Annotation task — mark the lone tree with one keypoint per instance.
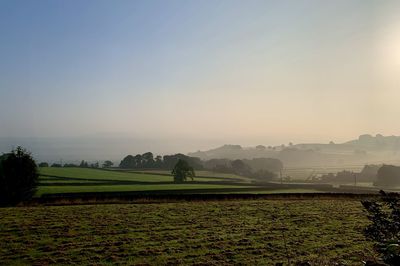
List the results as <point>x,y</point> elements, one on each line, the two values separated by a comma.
<point>182,171</point>
<point>18,177</point>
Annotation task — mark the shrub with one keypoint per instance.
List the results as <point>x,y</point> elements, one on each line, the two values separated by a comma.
<point>384,229</point>
<point>18,177</point>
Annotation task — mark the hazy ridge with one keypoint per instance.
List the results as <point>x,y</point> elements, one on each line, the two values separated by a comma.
<point>364,149</point>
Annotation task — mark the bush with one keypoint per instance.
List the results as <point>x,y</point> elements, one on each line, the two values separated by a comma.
<point>385,227</point>
<point>18,177</point>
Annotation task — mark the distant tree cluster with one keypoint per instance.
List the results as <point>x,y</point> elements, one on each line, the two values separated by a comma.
<point>264,169</point>
<point>107,164</point>
<point>43,164</point>
<point>259,168</point>
<point>269,164</point>
<point>83,164</point>
<point>368,174</point>
<point>148,161</point>
<point>70,165</point>
<point>340,177</point>
<point>388,175</point>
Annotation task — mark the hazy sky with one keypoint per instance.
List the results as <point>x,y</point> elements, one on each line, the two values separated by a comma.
<point>245,72</point>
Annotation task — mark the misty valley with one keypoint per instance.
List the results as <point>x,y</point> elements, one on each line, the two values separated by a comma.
<point>201,132</point>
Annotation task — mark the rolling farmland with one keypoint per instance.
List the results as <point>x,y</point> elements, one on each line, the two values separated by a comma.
<point>85,180</point>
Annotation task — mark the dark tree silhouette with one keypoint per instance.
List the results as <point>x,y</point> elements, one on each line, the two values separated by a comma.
<point>182,171</point>
<point>388,175</point>
<point>169,161</point>
<point>147,160</point>
<point>18,177</point>
<point>107,164</point>
<point>128,162</point>
<point>138,160</point>
<point>158,163</point>
<point>94,165</point>
<point>84,164</point>
<point>43,164</point>
<point>240,168</point>
<point>70,165</point>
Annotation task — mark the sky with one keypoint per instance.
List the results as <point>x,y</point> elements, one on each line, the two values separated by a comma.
<point>243,72</point>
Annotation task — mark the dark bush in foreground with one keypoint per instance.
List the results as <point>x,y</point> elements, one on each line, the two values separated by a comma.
<point>385,227</point>
<point>18,177</point>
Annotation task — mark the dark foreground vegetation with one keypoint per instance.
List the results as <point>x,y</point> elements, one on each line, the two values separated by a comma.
<point>251,232</point>
<point>384,229</point>
<point>18,177</point>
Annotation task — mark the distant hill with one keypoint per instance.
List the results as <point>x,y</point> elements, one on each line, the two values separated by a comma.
<point>365,149</point>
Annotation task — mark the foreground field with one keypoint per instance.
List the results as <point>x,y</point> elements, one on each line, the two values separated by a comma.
<point>210,233</point>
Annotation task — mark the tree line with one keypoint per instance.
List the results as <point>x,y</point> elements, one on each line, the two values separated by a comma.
<point>167,162</point>
<point>83,164</point>
<point>258,168</point>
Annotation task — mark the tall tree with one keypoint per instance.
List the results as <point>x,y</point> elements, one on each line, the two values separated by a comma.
<point>148,160</point>
<point>128,162</point>
<point>138,161</point>
<point>158,162</point>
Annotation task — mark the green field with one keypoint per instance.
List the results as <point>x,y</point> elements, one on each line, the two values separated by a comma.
<point>71,180</point>
<point>124,188</point>
<point>82,180</point>
<point>247,232</point>
<point>205,175</point>
<point>88,174</point>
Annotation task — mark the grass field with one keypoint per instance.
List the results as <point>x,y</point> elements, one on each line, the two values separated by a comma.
<point>72,180</point>
<point>124,188</point>
<point>205,174</point>
<point>88,174</point>
<point>86,180</point>
<point>247,232</point>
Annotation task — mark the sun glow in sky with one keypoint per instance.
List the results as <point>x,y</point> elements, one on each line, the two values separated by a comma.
<point>244,72</point>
